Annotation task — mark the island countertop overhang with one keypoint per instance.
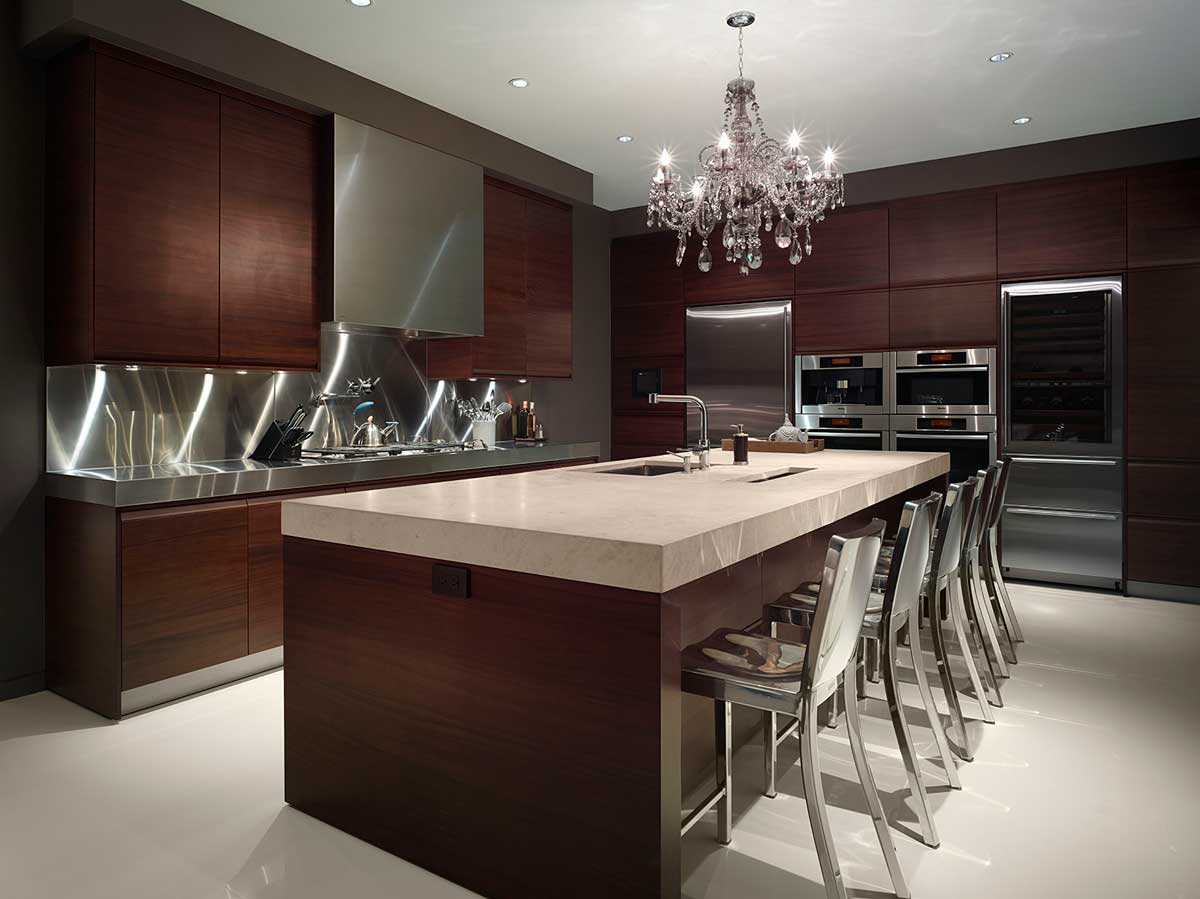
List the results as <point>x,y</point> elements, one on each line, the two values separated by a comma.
<point>583,523</point>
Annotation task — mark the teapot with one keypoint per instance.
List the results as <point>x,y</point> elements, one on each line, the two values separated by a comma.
<point>369,434</point>
<point>788,433</point>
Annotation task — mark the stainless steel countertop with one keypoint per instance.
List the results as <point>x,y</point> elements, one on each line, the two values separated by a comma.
<point>144,485</point>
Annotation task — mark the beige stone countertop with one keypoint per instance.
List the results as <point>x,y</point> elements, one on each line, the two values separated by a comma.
<point>641,533</point>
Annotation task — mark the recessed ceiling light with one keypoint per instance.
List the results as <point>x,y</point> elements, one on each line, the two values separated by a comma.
<point>625,138</point>
<point>360,3</point>
<point>1022,120</point>
<point>1002,56</point>
<point>518,82</point>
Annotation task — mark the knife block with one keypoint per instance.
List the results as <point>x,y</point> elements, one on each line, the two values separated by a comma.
<point>272,449</point>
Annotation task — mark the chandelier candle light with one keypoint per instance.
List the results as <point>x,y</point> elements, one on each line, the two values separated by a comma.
<point>747,180</point>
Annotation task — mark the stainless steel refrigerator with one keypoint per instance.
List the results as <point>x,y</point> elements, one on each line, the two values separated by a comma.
<point>1064,431</point>
<point>739,361</point>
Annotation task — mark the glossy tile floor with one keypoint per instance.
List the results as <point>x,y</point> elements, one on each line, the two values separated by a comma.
<point>1087,785</point>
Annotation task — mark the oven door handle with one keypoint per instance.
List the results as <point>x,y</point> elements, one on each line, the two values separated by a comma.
<point>844,434</point>
<point>907,436</point>
<point>924,369</point>
<point>1054,513</point>
<point>1041,460</point>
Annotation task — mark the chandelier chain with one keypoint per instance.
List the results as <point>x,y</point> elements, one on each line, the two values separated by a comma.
<point>740,51</point>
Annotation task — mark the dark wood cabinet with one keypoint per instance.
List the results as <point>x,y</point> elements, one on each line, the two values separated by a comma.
<point>955,315</point>
<point>671,372</point>
<point>643,270</point>
<point>1162,377</point>
<point>947,237</point>
<point>653,434</point>
<point>724,283</point>
<point>183,590</point>
<point>269,184</point>
<point>157,217</point>
<point>1163,489</point>
<point>1164,215</point>
<point>549,290</point>
<point>527,292</point>
<point>180,221</point>
<point>841,321</point>
<point>1061,227</point>
<point>648,331</point>
<point>850,252</point>
<point>1162,552</point>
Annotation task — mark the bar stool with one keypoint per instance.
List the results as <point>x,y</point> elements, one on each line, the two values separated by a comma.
<point>734,667</point>
<point>992,574</point>
<point>983,604</point>
<point>894,602</point>
<point>979,623</point>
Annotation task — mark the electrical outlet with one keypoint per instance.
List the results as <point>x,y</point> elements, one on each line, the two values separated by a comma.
<point>450,580</point>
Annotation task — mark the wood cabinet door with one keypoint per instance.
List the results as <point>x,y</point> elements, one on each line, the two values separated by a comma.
<point>502,350</point>
<point>850,252</point>
<point>183,589</point>
<point>1162,377</point>
<point>656,433</point>
<point>1061,227</point>
<point>947,237</point>
<point>724,283</point>
<point>269,183</point>
<point>157,217</point>
<point>1162,552</point>
<point>643,270</point>
<point>648,331</point>
<point>953,315</point>
<point>1164,215</point>
<point>548,290</point>
<point>1163,489</point>
<point>671,372</point>
<point>841,321</point>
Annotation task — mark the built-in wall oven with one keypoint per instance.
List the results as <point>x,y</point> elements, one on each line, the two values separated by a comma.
<point>840,384</point>
<point>945,382</point>
<point>969,439</point>
<point>855,432</point>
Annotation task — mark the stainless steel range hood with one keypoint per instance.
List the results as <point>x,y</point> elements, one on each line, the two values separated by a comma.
<point>407,239</point>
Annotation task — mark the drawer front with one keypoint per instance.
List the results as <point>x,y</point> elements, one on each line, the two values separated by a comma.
<point>1164,552</point>
<point>1164,489</point>
<point>1082,485</point>
<point>1074,544</point>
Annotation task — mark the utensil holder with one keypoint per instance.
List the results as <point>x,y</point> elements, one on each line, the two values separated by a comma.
<point>484,431</point>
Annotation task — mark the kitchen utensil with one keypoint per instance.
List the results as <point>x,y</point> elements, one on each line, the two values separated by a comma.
<point>367,434</point>
<point>484,430</point>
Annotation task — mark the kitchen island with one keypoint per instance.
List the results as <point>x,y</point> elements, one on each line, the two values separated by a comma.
<point>483,676</point>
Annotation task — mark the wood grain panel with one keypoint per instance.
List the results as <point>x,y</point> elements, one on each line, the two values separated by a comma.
<point>1162,377</point>
<point>639,331</point>
<point>70,171</point>
<point>957,315</point>
<point>1164,215</point>
<point>947,237</point>
<point>850,252</point>
<point>397,699</point>
<point>157,219</point>
<point>183,589</point>
<point>725,284</point>
<point>1162,552</point>
<point>269,186</point>
<point>649,430</point>
<point>549,290</point>
<point>643,270</point>
<point>623,398</point>
<point>502,348</point>
<point>1063,226</point>
<point>83,612</point>
<point>1163,489</point>
<point>841,321</point>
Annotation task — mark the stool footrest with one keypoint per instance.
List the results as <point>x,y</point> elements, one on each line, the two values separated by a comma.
<point>699,811</point>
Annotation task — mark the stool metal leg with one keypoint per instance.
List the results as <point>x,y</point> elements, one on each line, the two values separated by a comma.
<point>966,645</point>
<point>983,612</point>
<point>981,652</point>
<point>912,765</point>
<point>942,655</point>
<point>814,797</point>
<point>991,596</point>
<point>724,743</point>
<point>1014,626</point>
<point>931,712</point>
<point>854,733</point>
<point>770,753</point>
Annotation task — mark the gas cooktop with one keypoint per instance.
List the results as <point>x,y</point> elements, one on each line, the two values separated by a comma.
<point>391,449</point>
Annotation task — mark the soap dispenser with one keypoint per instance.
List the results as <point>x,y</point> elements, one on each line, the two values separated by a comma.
<point>741,445</point>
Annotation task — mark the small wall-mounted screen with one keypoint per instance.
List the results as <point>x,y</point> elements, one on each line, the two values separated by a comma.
<point>647,381</point>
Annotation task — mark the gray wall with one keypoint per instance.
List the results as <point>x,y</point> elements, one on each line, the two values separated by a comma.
<point>21,411</point>
<point>1052,159</point>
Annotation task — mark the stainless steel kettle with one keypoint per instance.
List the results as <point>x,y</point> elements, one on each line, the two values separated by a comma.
<point>370,434</point>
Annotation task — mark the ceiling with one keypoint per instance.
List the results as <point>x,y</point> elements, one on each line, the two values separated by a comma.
<point>884,82</point>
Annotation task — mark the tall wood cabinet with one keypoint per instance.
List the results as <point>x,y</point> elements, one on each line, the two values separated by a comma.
<point>527,292</point>
<point>181,219</point>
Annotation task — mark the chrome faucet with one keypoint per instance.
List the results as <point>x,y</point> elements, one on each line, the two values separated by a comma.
<point>702,448</point>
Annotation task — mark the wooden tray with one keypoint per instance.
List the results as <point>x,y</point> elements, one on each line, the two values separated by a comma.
<point>814,445</point>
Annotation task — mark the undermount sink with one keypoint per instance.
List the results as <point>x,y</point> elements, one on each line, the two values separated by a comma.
<point>774,475</point>
<point>645,469</point>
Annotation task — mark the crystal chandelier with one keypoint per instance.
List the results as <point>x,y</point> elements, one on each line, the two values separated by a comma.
<point>747,180</point>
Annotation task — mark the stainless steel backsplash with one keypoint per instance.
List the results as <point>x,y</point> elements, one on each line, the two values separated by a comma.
<point>113,415</point>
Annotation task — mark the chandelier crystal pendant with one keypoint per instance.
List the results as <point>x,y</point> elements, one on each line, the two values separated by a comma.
<point>748,184</point>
